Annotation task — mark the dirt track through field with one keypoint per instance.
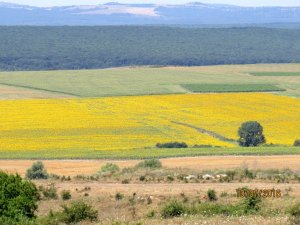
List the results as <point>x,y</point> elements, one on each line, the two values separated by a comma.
<point>9,92</point>
<point>75,167</point>
<point>208,132</point>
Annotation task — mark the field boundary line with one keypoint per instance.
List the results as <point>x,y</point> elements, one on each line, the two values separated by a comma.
<point>39,89</point>
<point>210,133</point>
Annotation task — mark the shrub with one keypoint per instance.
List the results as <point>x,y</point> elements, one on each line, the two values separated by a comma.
<point>251,134</point>
<point>78,211</point>
<point>109,168</point>
<point>125,181</point>
<point>18,198</point>
<point>224,194</point>
<point>150,163</point>
<point>64,178</point>
<point>119,196</point>
<point>172,145</point>
<point>151,214</point>
<point>37,171</point>
<point>54,176</point>
<point>249,174</point>
<point>230,175</point>
<point>294,213</point>
<point>66,195</point>
<point>251,204</point>
<point>173,209</point>
<point>18,220</point>
<point>53,218</point>
<point>149,200</point>
<point>212,195</point>
<point>297,143</point>
<point>49,192</point>
<point>211,209</point>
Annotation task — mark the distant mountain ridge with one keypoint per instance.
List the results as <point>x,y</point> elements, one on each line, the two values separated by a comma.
<point>113,13</point>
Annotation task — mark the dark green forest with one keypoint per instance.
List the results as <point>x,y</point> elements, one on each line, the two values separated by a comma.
<point>49,48</point>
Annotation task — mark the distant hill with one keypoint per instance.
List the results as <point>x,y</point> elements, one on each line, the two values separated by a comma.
<point>137,14</point>
<point>72,47</point>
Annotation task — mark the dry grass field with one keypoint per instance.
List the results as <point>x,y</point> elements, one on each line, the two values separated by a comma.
<point>101,194</point>
<point>102,197</point>
<point>86,167</point>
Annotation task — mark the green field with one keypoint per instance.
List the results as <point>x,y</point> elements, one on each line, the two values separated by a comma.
<point>205,88</point>
<point>271,74</point>
<point>146,153</point>
<point>150,80</point>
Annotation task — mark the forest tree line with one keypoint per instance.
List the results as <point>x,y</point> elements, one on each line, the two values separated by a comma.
<point>67,47</point>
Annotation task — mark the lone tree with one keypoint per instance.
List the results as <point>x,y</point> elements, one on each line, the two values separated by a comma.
<point>251,134</point>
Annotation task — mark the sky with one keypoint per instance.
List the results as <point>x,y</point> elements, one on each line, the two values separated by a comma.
<point>46,3</point>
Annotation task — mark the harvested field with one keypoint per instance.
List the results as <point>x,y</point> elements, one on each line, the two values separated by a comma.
<point>87,167</point>
<point>11,92</point>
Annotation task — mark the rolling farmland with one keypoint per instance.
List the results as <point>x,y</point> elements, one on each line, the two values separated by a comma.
<point>45,112</point>
<point>148,81</point>
<point>79,122</point>
<point>124,123</point>
<point>159,141</point>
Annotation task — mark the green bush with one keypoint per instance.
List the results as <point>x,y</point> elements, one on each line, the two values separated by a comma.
<point>212,195</point>
<point>18,198</point>
<point>109,168</point>
<point>78,211</point>
<point>297,143</point>
<point>66,195</point>
<point>37,171</point>
<point>173,209</point>
<point>250,204</point>
<point>251,134</point>
<point>18,220</point>
<point>150,163</point>
<point>49,192</point>
<point>294,213</point>
<point>212,209</point>
<point>53,218</point>
<point>172,145</point>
